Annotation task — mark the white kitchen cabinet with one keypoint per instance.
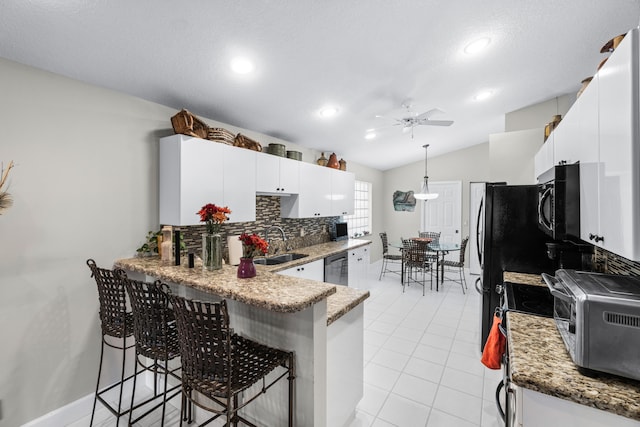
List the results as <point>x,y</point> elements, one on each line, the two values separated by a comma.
<point>544,159</point>
<point>314,197</point>
<point>342,192</point>
<point>536,409</point>
<point>566,145</point>
<point>277,175</point>
<point>359,259</point>
<point>193,173</point>
<point>619,165</point>
<point>311,270</point>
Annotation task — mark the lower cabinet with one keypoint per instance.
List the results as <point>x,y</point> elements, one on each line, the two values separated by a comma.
<point>359,260</point>
<point>536,409</point>
<point>312,270</point>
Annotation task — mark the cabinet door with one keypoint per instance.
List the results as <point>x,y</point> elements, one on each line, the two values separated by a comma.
<point>314,198</point>
<point>358,265</point>
<point>544,158</point>
<point>312,270</point>
<point>267,173</point>
<point>342,192</point>
<point>191,176</point>
<point>239,183</point>
<point>589,136</point>
<point>289,176</point>
<point>618,116</point>
<point>566,145</point>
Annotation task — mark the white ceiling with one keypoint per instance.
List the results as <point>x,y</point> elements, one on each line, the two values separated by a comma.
<point>366,57</point>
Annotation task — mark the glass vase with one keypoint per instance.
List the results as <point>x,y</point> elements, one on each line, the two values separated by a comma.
<point>246,268</point>
<point>212,251</point>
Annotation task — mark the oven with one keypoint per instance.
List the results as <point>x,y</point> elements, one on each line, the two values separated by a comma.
<point>559,202</point>
<point>522,298</point>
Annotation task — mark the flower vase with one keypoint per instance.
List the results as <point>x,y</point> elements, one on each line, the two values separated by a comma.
<point>247,268</point>
<point>212,251</point>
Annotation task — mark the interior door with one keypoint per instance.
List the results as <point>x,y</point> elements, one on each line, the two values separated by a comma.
<point>444,214</point>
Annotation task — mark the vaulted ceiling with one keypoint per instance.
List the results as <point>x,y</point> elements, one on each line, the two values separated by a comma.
<point>365,57</point>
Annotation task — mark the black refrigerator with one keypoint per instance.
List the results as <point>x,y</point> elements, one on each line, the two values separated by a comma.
<point>511,241</point>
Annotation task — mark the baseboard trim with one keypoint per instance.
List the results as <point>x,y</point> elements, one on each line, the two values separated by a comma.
<point>65,415</point>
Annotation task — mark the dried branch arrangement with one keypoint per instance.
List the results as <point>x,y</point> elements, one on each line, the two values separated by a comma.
<point>5,198</point>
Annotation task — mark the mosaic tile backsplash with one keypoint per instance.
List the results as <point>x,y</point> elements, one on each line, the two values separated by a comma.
<point>610,263</point>
<point>315,230</point>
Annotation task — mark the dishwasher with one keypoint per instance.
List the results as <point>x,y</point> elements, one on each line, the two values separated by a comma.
<point>336,269</point>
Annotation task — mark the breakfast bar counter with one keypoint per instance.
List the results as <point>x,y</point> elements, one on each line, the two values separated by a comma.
<point>540,362</point>
<point>321,322</point>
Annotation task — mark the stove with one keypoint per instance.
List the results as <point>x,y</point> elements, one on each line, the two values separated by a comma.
<point>529,299</point>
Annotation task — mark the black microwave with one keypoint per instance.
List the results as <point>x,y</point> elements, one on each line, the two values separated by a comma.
<point>559,202</point>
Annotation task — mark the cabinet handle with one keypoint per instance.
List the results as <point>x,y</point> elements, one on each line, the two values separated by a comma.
<point>596,238</point>
<point>278,189</point>
<point>282,189</point>
<point>599,239</point>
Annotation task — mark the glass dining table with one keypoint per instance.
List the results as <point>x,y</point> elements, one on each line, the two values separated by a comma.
<point>440,248</point>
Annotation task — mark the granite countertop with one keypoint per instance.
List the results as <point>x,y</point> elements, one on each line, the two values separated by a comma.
<point>539,361</point>
<point>267,290</point>
<point>525,278</point>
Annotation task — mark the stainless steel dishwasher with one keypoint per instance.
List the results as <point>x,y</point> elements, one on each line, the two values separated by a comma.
<point>336,269</point>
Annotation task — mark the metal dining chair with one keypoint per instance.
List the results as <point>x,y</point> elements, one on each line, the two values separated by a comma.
<point>388,258</point>
<point>415,259</point>
<point>459,265</point>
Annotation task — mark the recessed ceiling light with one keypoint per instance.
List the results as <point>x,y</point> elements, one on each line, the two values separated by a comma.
<point>370,135</point>
<point>477,45</point>
<point>242,65</point>
<point>481,96</point>
<point>327,112</point>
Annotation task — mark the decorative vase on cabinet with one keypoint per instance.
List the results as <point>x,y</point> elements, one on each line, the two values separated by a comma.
<point>212,251</point>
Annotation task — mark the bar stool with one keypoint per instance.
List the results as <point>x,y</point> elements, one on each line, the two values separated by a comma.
<point>156,339</point>
<point>116,321</point>
<point>220,364</point>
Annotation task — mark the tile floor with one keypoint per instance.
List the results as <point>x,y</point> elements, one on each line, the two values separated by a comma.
<point>422,360</point>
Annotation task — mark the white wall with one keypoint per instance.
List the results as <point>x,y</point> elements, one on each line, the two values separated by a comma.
<point>538,115</point>
<point>469,164</point>
<point>85,185</point>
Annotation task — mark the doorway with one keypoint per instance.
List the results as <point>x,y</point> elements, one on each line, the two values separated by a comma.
<point>444,214</point>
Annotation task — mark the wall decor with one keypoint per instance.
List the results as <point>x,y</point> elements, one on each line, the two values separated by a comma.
<point>5,198</point>
<point>404,201</point>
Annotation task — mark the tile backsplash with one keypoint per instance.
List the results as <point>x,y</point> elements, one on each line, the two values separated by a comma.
<point>610,263</point>
<point>315,230</point>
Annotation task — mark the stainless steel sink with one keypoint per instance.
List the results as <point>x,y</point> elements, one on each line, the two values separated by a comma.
<point>278,259</point>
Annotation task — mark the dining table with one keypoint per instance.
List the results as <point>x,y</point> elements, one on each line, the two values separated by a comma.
<point>440,248</point>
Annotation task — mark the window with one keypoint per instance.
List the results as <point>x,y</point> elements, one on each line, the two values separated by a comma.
<point>360,222</point>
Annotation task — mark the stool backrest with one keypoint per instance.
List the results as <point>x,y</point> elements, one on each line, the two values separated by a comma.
<point>205,340</point>
<point>115,320</point>
<point>385,243</point>
<point>153,319</point>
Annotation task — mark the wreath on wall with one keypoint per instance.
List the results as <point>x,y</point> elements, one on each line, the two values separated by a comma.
<point>5,197</point>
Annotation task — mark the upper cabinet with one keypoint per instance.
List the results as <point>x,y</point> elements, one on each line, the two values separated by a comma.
<point>601,132</point>
<point>277,175</point>
<point>194,172</point>
<point>323,192</point>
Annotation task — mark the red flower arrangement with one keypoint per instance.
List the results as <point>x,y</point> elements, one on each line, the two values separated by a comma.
<point>214,216</point>
<point>253,245</point>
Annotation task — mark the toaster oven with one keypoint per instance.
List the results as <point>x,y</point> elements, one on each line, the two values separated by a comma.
<point>598,317</point>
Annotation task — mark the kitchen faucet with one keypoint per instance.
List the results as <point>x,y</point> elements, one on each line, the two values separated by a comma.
<point>282,233</point>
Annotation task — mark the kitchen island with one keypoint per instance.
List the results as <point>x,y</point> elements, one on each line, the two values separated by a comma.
<point>554,390</point>
<point>309,317</point>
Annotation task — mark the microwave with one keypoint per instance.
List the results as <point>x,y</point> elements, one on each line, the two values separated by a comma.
<point>559,202</point>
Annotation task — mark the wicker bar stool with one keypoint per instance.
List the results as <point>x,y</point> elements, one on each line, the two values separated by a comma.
<point>156,338</point>
<point>220,364</point>
<point>116,321</point>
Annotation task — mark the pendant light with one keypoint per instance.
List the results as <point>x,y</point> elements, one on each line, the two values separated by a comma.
<point>424,193</point>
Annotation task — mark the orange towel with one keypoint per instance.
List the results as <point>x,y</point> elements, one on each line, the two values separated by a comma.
<point>494,347</point>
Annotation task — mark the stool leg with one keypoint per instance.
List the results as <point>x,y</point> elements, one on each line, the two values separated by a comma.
<point>133,392</point>
<point>291,379</point>
<point>95,397</point>
<point>124,363</point>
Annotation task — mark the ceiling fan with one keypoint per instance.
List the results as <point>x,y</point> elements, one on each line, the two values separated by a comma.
<point>411,119</point>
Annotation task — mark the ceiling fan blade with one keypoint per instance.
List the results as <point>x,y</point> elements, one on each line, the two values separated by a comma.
<point>437,122</point>
<point>429,113</point>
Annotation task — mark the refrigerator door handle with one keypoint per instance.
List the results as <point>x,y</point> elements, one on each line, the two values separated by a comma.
<point>479,287</point>
<point>478,234</point>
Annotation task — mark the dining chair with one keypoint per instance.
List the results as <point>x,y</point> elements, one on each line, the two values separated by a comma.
<point>156,343</point>
<point>388,258</point>
<point>415,258</point>
<point>116,322</point>
<point>435,238</point>
<point>221,365</point>
<point>459,265</point>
